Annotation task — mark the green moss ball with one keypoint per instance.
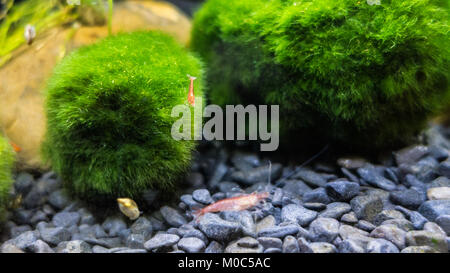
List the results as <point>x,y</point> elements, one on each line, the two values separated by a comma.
<point>6,181</point>
<point>362,73</point>
<point>109,107</point>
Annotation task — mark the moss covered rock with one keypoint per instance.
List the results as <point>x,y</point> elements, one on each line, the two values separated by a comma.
<point>364,74</point>
<point>6,181</point>
<point>109,115</point>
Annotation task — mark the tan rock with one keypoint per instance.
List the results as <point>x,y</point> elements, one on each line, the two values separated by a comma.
<point>440,193</point>
<point>23,78</point>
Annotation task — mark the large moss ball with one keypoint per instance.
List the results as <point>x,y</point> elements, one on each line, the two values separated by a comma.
<point>6,181</point>
<point>365,73</point>
<point>109,107</point>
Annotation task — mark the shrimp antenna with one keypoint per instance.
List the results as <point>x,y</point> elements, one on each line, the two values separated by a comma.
<point>303,164</point>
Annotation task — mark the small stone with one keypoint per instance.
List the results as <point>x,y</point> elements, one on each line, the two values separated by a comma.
<point>135,241</point>
<point>409,198</point>
<point>273,250</point>
<point>444,222</point>
<point>318,195</point>
<point>342,190</point>
<point>350,246</point>
<point>23,217</point>
<point>279,231</point>
<point>315,206</point>
<point>367,207</point>
<point>438,153</point>
<point>191,245</point>
<point>441,181</point>
<point>188,200</point>
<point>132,251</point>
<point>17,230</point>
<point>400,223</point>
<point>434,208</point>
<point>391,233</point>
<point>142,226</point>
<point>418,249</point>
<point>202,196</point>
<point>335,210</point>
<point>219,171</point>
<point>55,235</point>
<point>411,154</point>
<point>172,216</point>
<point>58,199</point>
<point>244,218</point>
<point>218,229</point>
<point>290,245</point>
<point>349,218</point>
<point>25,240</point>
<point>412,181</point>
<point>114,225</point>
<point>416,218</point>
<point>440,193</point>
<point>321,247</point>
<point>24,182</point>
<point>297,214</point>
<point>66,219</point>
<point>161,240</point>
<point>99,249</point>
<point>296,187</point>
<point>10,248</point>
<point>387,215</point>
<point>233,247</point>
<point>304,246</point>
<point>248,242</point>
<point>324,229</point>
<point>351,163</point>
<point>350,176</point>
<point>381,246</point>
<point>434,228</point>
<point>311,178</point>
<point>427,238</point>
<point>40,247</point>
<point>270,242</point>
<point>214,247</point>
<point>346,231</point>
<point>365,225</point>
<point>370,175</point>
<point>259,174</point>
<point>105,242</point>
<point>76,246</point>
<point>227,186</point>
<point>444,168</point>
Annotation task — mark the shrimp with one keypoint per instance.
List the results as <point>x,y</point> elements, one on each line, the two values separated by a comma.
<point>15,147</point>
<point>237,203</point>
<point>191,98</point>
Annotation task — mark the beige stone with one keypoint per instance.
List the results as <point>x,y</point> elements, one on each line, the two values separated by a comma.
<point>440,193</point>
<point>22,79</point>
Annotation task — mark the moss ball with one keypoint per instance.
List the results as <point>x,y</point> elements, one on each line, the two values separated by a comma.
<point>6,181</point>
<point>109,107</point>
<point>362,73</point>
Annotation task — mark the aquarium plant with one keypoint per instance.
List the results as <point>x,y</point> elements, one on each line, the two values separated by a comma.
<point>109,115</point>
<point>363,73</point>
<point>6,181</point>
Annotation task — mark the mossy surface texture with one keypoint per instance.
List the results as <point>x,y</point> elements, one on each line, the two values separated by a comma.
<point>6,181</point>
<point>366,75</point>
<point>109,115</point>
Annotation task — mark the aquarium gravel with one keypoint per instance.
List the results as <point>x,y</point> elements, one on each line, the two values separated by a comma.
<point>398,203</point>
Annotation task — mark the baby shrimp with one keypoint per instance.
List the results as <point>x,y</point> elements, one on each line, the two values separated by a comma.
<point>237,203</point>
